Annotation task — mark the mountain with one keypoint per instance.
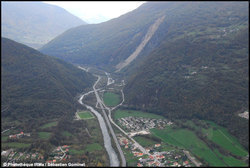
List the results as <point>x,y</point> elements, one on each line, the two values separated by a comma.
<point>35,86</point>
<point>137,33</point>
<point>104,44</point>
<point>35,23</point>
<point>196,77</point>
<point>95,19</point>
<point>179,59</point>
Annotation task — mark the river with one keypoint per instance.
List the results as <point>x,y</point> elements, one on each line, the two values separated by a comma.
<point>114,161</point>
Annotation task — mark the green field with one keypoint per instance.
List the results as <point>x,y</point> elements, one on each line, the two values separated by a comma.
<point>130,158</point>
<point>44,135</point>
<point>230,161</point>
<point>51,124</point>
<point>221,137</point>
<point>76,152</point>
<point>93,147</point>
<point>66,133</point>
<point>15,145</point>
<point>85,115</point>
<point>127,113</point>
<point>111,99</point>
<point>144,141</point>
<point>4,138</point>
<point>188,140</point>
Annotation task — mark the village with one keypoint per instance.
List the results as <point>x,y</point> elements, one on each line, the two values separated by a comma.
<point>135,124</point>
<point>156,156</point>
<point>11,155</point>
<point>20,135</point>
<point>58,154</point>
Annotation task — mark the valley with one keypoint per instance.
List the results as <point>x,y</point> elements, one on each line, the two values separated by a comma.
<point>134,138</point>
<point>164,85</point>
<point>131,141</point>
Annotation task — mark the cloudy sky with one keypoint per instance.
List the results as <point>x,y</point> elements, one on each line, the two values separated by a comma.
<point>97,11</point>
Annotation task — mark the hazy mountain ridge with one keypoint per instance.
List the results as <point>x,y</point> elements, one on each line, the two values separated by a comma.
<point>35,23</point>
<point>104,44</point>
<point>109,43</point>
<point>36,85</point>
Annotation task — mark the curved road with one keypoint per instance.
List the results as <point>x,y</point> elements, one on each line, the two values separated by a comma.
<point>143,150</point>
<point>114,161</point>
<point>99,101</point>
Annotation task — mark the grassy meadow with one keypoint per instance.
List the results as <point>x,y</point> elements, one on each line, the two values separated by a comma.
<point>85,115</point>
<point>51,124</point>
<point>111,99</point>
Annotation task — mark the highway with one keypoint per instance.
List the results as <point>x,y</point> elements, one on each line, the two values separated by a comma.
<point>99,101</point>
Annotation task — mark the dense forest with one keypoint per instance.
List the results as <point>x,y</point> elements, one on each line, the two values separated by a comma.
<point>195,64</point>
<point>35,85</point>
<point>194,67</point>
<point>196,77</point>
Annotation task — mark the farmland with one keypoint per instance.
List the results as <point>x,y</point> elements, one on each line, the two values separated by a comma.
<point>66,133</point>
<point>111,99</point>
<point>44,135</point>
<point>231,161</point>
<point>184,138</point>
<point>51,124</point>
<point>221,137</point>
<point>15,145</point>
<point>93,147</point>
<point>188,140</point>
<point>144,141</point>
<point>76,152</point>
<point>85,115</point>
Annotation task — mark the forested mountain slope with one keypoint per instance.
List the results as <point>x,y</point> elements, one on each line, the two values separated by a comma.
<point>35,23</point>
<point>34,85</point>
<point>196,77</point>
<point>109,44</point>
<point>195,64</point>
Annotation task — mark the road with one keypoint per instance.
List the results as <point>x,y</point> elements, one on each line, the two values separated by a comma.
<point>198,164</point>
<point>143,150</point>
<point>99,101</point>
<point>108,118</point>
<point>114,161</point>
<point>6,130</point>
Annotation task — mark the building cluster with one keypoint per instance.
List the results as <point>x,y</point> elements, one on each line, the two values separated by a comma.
<point>20,135</point>
<point>192,73</point>
<point>15,156</point>
<point>140,123</point>
<point>60,153</point>
<point>164,158</point>
<point>244,115</point>
<point>155,156</point>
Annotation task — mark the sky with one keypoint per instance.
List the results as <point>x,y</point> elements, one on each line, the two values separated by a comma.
<point>97,11</point>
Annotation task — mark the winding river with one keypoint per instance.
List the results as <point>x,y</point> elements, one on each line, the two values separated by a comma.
<point>114,161</point>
